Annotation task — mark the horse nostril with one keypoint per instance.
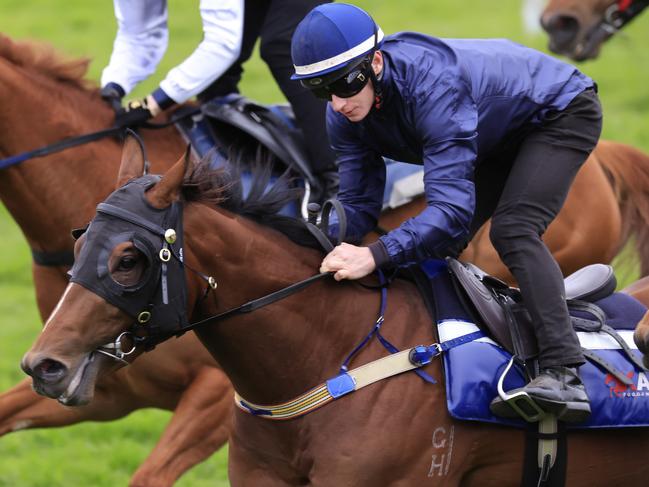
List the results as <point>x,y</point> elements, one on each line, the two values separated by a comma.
<point>48,371</point>
<point>562,28</point>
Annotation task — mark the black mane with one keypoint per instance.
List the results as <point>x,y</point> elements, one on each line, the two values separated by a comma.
<point>223,187</point>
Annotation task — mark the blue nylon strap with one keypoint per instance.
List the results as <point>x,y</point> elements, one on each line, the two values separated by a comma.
<point>376,331</point>
<point>13,160</point>
<point>58,146</point>
<point>447,345</point>
<point>377,323</point>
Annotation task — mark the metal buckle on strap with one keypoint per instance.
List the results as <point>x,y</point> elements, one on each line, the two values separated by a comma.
<point>114,350</point>
<point>520,401</point>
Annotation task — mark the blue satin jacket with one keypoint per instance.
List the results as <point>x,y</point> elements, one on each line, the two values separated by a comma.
<point>446,103</point>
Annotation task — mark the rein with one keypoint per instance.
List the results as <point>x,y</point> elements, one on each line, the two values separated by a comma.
<point>87,138</point>
<point>255,304</point>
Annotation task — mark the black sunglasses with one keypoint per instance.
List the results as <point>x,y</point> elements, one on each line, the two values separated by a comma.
<point>346,86</point>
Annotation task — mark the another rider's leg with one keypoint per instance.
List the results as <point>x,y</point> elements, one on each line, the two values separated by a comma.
<point>254,15</point>
<point>541,175</point>
<point>275,49</point>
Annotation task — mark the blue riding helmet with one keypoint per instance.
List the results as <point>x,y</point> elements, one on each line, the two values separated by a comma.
<point>329,43</point>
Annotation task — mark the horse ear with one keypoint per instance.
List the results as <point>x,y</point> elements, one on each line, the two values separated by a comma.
<point>132,165</point>
<point>167,190</point>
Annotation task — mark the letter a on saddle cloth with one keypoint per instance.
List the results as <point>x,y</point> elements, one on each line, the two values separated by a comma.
<point>617,386</point>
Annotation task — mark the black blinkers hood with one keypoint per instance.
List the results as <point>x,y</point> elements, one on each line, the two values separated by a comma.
<point>158,301</point>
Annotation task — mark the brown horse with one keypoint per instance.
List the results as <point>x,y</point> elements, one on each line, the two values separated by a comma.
<point>50,196</point>
<point>46,100</point>
<point>38,195</point>
<point>578,28</point>
<point>378,436</point>
<point>640,290</point>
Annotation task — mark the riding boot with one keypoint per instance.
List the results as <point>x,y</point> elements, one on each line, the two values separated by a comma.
<point>556,390</point>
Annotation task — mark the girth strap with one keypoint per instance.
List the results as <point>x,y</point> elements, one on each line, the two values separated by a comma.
<point>606,365</point>
<point>599,325</point>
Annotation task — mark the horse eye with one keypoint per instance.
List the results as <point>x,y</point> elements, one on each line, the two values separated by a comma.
<point>127,263</point>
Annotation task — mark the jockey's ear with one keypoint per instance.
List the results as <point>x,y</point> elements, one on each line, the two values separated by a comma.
<point>133,158</point>
<point>168,189</point>
<point>377,62</point>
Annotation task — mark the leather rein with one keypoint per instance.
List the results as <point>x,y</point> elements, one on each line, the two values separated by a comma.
<point>139,332</point>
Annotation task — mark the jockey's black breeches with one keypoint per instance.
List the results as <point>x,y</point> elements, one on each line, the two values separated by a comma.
<point>522,186</point>
<point>273,23</point>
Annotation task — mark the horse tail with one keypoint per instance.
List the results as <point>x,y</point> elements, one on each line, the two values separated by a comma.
<point>628,171</point>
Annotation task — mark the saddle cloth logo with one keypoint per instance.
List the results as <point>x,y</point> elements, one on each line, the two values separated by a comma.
<point>640,387</point>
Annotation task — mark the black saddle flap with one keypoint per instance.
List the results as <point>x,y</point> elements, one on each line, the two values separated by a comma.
<point>482,301</point>
<point>264,126</point>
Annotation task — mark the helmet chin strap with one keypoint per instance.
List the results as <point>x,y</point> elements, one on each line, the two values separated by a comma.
<point>378,90</point>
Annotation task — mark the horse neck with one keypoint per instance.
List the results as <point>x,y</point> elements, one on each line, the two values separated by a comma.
<point>287,347</point>
<point>59,190</point>
<point>49,196</point>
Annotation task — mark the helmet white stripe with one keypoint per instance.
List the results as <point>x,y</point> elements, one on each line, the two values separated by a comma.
<point>341,58</point>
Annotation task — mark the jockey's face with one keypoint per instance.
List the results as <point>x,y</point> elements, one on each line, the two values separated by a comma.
<point>356,107</point>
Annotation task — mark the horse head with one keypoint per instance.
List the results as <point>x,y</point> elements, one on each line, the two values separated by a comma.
<point>130,288</point>
<point>578,28</point>
<point>112,262</point>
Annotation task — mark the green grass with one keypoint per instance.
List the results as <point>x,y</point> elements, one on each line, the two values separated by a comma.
<point>106,454</point>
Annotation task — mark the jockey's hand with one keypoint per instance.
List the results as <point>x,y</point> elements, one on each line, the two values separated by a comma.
<point>112,94</point>
<point>348,262</point>
<point>137,112</point>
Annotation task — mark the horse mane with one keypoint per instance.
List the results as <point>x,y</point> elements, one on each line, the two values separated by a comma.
<point>43,58</point>
<point>223,187</point>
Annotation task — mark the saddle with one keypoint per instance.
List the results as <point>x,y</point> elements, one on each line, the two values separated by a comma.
<point>500,310</point>
<point>234,120</point>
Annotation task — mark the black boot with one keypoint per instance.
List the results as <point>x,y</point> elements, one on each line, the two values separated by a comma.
<point>557,390</point>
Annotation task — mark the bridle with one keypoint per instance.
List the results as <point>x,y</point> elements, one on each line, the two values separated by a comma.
<point>159,306</point>
<point>621,13</point>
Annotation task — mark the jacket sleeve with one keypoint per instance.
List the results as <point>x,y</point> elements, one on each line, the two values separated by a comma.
<point>142,38</point>
<point>220,47</point>
<point>362,177</point>
<point>140,43</point>
<point>445,120</point>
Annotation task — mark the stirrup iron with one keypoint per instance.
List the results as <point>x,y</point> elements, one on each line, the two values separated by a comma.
<point>520,401</point>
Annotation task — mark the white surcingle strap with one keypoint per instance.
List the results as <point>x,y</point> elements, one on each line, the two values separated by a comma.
<point>365,46</point>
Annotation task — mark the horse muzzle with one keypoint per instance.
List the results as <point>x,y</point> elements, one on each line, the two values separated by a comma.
<point>71,386</point>
<point>563,30</point>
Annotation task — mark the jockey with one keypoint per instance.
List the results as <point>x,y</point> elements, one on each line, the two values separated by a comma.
<point>214,68</point>
<point>501,131</point>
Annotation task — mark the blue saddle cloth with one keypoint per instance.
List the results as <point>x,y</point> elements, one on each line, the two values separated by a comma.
<point>472,370</point>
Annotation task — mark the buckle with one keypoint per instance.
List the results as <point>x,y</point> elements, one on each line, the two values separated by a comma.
<point>520,401</point>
